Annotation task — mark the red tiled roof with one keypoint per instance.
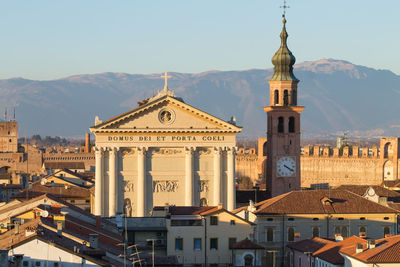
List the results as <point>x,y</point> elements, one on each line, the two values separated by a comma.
<point>58,191</point>
<point>246,244</point>
<point>362,189</point>
<point>310,244</point>
<point>330,252</point>
<point>312,202</point>
<point>193,210</point>
<point>387,250</point>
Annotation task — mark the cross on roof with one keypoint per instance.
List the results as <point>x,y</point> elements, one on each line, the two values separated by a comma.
<point>166,76</point>
<point>285,6</point>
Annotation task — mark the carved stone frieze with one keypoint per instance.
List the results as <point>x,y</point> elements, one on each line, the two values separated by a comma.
<point>165,186</point>
<point>166,151</point>
<point>128,186</point>
<point>204,151</point>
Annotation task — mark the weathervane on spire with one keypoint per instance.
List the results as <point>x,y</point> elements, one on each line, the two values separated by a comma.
<point>166,76</point>
<point>285,6</point>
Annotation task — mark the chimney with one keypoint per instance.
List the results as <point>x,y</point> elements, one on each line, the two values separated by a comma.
<point>87,142</point>
<point>98,222</point>
<point>16,228</point>
<point>371,244</point>
<point>4,257</point>
<point>94,241</point>
<point>359,248</point>
<point>59,228</point>
<point>18,260</point>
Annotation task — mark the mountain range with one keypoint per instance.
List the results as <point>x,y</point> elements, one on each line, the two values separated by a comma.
<point>338,97</point>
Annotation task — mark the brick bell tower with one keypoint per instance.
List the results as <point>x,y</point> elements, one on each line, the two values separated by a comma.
<point>283,123</point>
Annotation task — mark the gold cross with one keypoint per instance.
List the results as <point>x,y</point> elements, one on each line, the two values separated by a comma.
<point>166,76</point>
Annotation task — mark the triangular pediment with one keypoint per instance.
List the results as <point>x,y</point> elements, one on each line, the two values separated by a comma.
<point>166,114</point>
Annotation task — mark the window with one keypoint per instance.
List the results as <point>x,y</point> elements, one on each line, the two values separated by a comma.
<point>276,97</point>
<point>213,220</point>
<point>270,234</point>
<point>386,231</point>
<point>280,125</point>
<point>344,231</point>
<point>363,229</point>
<point>231,241</point>
<point>213,243</point>
<point>25,264</point>
<point>337,230</point>
<point>291,125</point>
<point>290,234</point>
<point>38,263</point>
<point>315,232</point>
<point>233,222</point>
<point>285,98</point>
<point>179,244</point>
<point>197,244</point>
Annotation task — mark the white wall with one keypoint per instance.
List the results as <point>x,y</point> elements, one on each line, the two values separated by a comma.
<point>37,250</point>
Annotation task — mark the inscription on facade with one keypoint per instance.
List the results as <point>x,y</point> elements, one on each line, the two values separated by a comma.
<point>165,186</point>
<point>175,138</point>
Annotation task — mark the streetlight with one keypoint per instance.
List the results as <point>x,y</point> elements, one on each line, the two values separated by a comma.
<point>152,241</point>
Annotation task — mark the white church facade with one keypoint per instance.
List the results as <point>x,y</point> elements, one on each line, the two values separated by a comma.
<point>164,152</point>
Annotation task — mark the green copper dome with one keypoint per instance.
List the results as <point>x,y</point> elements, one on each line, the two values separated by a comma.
<point>283,60</point>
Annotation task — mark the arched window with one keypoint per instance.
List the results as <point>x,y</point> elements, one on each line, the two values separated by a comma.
<point>386,231</point>
<point>291,234</point>
<point>291,125</point>
<point>294,97</point>
<point>276,96</point>
<point>280,125</point>
<point>388,150</point>
<point>337,230</point>
<point>363,231</point>
<point>315,232</point>
<point>344,231</point>
<point>285,98</point>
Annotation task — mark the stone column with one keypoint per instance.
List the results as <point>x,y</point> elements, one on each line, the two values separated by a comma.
<point>98,190</point>
<point>113,178</point>
<point>230,184</point>
<point>141,182</point>
<point>217,176</point>
<point>188,176</point>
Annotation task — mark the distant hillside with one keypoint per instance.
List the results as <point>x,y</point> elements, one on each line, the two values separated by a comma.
<point>338,96</point>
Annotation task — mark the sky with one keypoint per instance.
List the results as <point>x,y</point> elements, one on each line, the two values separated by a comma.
<point>47,39</point>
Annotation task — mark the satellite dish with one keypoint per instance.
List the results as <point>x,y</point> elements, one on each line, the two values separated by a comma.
<point>44,214</point>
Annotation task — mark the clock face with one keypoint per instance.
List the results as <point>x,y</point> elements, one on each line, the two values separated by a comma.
<point>286,166</point>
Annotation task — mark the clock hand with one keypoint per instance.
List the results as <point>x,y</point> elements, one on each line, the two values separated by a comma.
<point>290,169</point>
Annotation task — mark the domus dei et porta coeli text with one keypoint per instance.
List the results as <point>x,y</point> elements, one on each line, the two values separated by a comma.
<point>164,152</point>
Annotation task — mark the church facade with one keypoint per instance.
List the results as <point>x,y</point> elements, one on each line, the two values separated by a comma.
<point>164,152</point>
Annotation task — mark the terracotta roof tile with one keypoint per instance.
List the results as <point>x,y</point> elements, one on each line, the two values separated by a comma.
<point>310,244</point>
<point>362,189</point>
<point>387,250</point>
<point>246,244</point>
<point>320,202</point>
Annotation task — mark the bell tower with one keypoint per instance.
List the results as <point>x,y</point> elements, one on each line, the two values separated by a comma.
<point>283,123</point>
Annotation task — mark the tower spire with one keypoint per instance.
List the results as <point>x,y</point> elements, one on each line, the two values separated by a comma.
<point>283,59</point>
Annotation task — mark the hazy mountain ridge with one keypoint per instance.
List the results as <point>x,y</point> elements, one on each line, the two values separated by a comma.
<point>338,96</point>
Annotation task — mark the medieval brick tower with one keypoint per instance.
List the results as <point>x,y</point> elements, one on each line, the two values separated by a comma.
<point>283,134</point>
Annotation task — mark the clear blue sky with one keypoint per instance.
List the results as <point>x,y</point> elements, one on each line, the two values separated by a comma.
<point>52,39</point>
